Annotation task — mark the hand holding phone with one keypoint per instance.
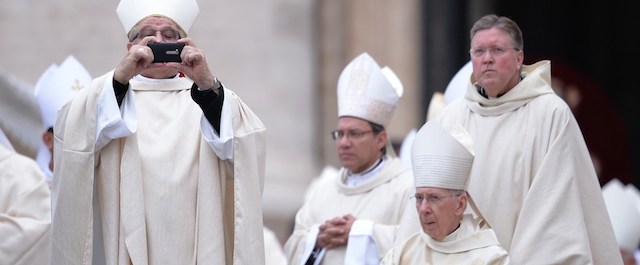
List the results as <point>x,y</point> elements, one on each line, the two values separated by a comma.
<point>164,52</point>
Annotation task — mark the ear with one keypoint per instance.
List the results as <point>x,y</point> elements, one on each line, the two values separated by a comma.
<point>462,205</point>
<point>382,137</point>
<point>520,59</point>
<point>47,138</point>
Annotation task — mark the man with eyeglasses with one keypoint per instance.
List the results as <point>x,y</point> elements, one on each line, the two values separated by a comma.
<point>442,160</point>
<point>533,178</point>
<point>158,162</point>
<point>352,217</point>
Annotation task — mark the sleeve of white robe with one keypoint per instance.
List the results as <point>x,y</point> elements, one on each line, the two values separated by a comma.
<point>222,143</point>
<point>361,248</point>
<point>25,211</point>
<point>114,121</point>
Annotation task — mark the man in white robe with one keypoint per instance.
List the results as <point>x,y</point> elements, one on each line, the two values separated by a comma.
<point>145,175</point>
<point>532,178</point>
<point>442,159</point>
<point>25,209</point>
<point>353,215</point>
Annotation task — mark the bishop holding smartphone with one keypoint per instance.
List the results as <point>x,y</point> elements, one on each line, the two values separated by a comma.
<point>158,162</point>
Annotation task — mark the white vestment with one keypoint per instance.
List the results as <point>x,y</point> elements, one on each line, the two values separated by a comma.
<point>25,211</point>
<point>532,178</point>
<point>162,194</point>
<point>381,201</point>
<point>469,244</point>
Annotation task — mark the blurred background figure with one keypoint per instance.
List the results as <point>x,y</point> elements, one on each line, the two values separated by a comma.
<point>25,209</point>
<point>623,205</point>
<point>55,87</point>
<point>19,115</point>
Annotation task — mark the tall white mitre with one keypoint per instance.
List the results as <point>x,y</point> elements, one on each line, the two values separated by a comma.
<point>442,157</point>
<point>182,12</point>
<point>368,92</point>
<point>58,85</point>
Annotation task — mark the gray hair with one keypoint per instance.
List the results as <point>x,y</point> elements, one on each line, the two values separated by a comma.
<point>503,23</point>
<point>458,193</point>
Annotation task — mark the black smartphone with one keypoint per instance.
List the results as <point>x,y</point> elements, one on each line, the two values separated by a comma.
<point>164,52</point>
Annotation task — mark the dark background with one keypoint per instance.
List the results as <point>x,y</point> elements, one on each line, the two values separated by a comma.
<point>593,53</point>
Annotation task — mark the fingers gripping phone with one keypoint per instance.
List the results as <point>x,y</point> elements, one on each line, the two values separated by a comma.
<point>164,52</point>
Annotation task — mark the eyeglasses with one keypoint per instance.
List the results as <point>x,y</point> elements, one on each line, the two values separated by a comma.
<point>432,199</point>
<point>493,51</point>
<point>353,135</point>
<point>168,34</point>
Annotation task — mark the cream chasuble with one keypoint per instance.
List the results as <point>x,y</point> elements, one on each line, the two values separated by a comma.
<point>25,211</point>
<point>382,200</point>
<point>533,179</point>
<point>469,244</point>
<point>163,195</point>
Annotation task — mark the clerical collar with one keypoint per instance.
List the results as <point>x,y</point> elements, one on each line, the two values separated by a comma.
<point>483,93</point>
<point>354,179</point>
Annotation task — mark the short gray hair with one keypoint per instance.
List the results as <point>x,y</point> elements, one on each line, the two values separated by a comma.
<point>503,23</point>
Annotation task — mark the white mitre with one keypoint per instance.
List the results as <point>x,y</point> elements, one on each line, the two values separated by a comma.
<point>368,92</point>
<point>442,157</point>
<point>182,12</point>
<point>57,86</point>
<point>624,213</point>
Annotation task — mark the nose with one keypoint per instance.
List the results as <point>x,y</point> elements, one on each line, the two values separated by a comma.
<point>159,36</point>
<point>425,207</point>
<point>487,57</point>
<point>343,141</point>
